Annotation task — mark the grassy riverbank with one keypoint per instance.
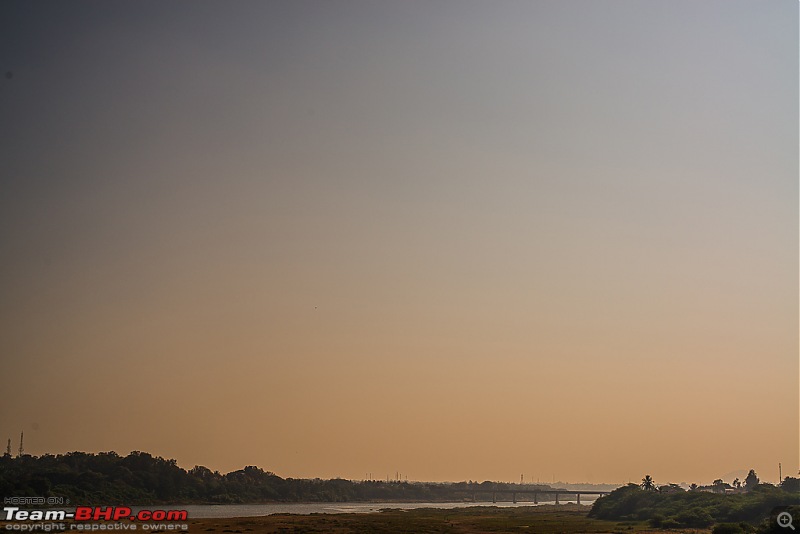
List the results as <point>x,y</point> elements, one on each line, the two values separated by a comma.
<point>567,518</point>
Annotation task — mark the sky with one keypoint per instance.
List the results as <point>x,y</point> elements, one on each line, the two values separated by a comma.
<point>458,240</point>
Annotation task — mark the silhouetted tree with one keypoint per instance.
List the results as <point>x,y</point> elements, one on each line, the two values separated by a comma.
<point>751,481</point>
<point>648,484</point>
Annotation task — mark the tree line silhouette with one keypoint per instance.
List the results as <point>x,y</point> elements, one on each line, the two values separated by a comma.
<point>139,478</point>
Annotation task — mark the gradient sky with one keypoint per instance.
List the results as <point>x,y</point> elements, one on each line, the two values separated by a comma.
<point>454,239</point>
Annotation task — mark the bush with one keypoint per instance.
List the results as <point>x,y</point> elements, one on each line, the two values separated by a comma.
<point>696,517</point>
<point>656,520</point>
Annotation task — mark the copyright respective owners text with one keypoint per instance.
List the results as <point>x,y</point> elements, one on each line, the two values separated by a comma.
<point>39,514</point>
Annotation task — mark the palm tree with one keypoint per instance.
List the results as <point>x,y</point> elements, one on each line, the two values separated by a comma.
<point>648,484</point>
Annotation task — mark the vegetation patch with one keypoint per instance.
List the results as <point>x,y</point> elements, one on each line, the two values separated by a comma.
<point>727,513</point>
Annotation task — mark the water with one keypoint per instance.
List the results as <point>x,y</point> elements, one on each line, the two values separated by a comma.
<point>221,511</point>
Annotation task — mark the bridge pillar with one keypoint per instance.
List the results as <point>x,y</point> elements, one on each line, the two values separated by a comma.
<point>473,496</point>
<point>579,498</point>
<point>535,498</point>
<point>557,498</point>
<point>514,497</point>
<point>494,497</point>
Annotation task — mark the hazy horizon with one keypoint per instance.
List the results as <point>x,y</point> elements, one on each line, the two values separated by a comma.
<point>458,240</point>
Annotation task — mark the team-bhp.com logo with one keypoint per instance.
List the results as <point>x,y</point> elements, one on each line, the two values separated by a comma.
<point>94,518</point>
<point>94,513</point>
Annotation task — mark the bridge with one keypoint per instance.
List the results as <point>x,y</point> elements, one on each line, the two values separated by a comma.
<point>535,492</point>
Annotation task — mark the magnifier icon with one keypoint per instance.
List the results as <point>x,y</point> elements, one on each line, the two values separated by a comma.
<point>785,520</point>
